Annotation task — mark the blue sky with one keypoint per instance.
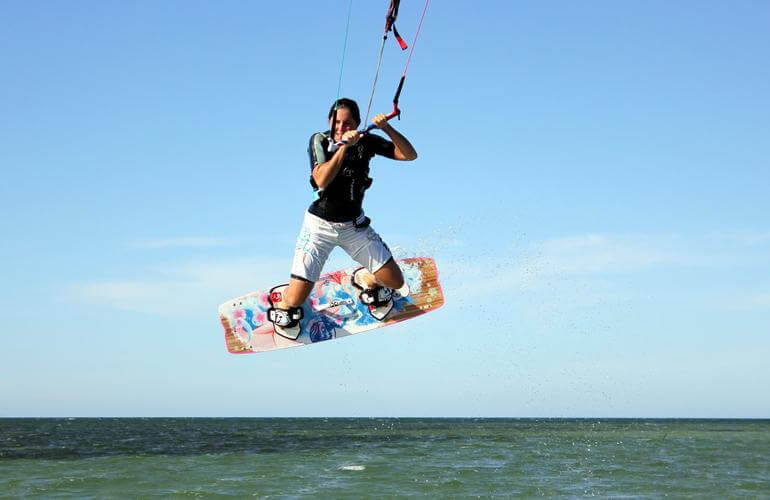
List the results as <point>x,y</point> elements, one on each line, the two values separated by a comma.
<point>593,182</point>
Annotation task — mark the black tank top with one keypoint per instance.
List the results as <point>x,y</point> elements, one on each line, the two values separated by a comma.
<point>342,199</point>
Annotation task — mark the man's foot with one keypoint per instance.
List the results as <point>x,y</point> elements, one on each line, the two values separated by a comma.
<point>378,298</point>
<point>285,319</point>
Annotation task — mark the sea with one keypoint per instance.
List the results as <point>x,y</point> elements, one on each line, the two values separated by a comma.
<point>383,457</point>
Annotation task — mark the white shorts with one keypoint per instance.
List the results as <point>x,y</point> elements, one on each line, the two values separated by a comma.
<point>318,237</point>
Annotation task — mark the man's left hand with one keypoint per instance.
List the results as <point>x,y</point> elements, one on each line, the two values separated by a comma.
<point>380,121</point>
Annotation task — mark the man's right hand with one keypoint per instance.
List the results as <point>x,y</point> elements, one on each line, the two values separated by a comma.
<point>351,137</point>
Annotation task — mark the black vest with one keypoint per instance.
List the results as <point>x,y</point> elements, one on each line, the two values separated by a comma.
<point>342,199</point>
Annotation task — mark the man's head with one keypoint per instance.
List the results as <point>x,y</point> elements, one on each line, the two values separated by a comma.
<point>348,116</point>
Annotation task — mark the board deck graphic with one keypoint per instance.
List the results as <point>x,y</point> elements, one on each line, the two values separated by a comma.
<point>332,311</point>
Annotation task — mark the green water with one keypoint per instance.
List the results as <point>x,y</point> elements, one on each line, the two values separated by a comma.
<point>384,457</point>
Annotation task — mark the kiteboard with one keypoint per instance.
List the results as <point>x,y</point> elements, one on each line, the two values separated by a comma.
<point>333,310</point>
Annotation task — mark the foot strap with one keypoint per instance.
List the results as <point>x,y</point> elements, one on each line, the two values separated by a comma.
<point>377,296</point>
<point>286,318</point>
<point>371,294</point>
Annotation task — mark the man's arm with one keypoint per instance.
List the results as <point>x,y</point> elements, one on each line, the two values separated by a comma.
<point>403,148</point>
<point>324,173</point>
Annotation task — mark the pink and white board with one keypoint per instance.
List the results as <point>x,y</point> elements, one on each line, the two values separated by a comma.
<point>332,311</point>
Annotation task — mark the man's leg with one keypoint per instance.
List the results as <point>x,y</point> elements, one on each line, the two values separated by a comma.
<point>315,242</point>
<point>313,247</point>
<point>297,292</point>
<point>368,249</point>
<point>390,275</point>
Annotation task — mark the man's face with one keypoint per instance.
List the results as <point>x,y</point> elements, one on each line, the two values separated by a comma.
<point>345,122</point>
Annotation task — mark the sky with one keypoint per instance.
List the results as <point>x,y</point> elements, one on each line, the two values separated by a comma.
<point>592,180</point>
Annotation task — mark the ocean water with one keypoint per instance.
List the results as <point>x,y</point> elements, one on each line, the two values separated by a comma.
<point>373,457</point>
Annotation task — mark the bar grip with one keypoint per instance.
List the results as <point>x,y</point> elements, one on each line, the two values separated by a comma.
<point>393,114</point>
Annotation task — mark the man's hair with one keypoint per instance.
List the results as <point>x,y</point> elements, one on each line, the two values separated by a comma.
<point>350,104</point>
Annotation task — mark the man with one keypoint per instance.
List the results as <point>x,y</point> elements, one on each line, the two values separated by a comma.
<point>339,162</point>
